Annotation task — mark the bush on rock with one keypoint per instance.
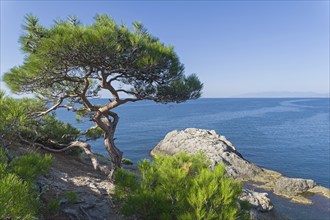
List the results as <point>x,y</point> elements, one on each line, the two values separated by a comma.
<point>178,187</point>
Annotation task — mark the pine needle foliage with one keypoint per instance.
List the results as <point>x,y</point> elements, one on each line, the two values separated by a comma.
<point>60,58</point>
<point>16,114</point>
<point>29,166</point>
<point>19,116</point>
<point>178,187</point>
<point>51,128</point>
<point>19,197</point>
<point>126,161</point>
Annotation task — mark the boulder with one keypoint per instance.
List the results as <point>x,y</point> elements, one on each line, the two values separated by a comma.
<point>292,186</point>
<point>260,201</point>
<point>216,147</point>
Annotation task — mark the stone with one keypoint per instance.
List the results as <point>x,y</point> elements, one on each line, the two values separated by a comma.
<point>260,201</point>
<point>292,186</point>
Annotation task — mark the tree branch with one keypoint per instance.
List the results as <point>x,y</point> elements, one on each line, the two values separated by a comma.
<point>123,101</point>
<point>115,78</point>
<point>115,119</point>
<point>107,85</point>
<point>127,92</point>
<point>68,107</point>
<point>82,95</point>
<point>58,103</point>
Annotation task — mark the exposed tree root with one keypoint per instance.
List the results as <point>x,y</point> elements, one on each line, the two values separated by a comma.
<point>83,145</point>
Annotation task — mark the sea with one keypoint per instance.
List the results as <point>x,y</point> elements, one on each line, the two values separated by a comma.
<point>288,135</point>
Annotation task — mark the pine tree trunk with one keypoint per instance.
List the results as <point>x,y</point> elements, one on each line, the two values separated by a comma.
<point>109,128</point>
<point>115,153</point>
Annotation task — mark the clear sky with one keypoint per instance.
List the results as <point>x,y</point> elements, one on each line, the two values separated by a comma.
<point>235,47</point>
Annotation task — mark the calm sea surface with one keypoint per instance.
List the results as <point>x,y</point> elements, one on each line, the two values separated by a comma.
<point>287,135</point>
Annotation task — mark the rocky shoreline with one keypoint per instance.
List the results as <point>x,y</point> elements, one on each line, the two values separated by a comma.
<point>75,175</point>
<point>219,150</point>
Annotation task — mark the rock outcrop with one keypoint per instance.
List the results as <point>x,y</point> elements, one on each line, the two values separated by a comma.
<point>260,201</point>
<point>292,186</point>
<point>76,177</point>
<point>219,150</point>
<point>216,147</point>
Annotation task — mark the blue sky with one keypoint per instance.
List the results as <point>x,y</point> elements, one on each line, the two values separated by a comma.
<point>235,47</point>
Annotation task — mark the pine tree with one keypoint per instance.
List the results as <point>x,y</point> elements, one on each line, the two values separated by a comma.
<point>69,63</point>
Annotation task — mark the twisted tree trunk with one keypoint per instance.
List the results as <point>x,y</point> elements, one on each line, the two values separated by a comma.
<point>109,127</point>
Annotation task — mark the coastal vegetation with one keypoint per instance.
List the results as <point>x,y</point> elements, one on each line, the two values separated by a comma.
<point>178,187</point>
<point>68,64</point>
<point>19,197</point>
<point>19,121</point>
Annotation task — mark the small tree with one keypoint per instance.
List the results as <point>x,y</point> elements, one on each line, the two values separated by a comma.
<point>178,187</point>
<point>69,63</point>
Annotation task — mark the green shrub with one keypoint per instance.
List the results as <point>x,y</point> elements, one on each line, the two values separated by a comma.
<point>52,129</point>
<point>3,170</point>
<point>3,157</point>
<point>93,133</point>
<point>18,195</point>
<point>178,187</point>
<point>245,207</point>
<point>30,166</point>
<point>76,151</point>
<point>17,198</point>
<point>53,205</point>
<point>3,163</point>
<point>17,116</point>
<point>126,161</point>
<point>126,182</point>
<point>71,196</point>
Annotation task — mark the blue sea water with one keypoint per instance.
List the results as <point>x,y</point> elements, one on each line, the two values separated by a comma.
<point>287,135</point>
